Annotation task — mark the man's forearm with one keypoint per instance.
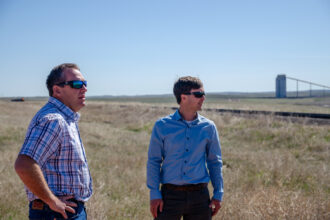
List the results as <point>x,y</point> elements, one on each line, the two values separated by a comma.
<point>31,175</point>
<point>153,177</point>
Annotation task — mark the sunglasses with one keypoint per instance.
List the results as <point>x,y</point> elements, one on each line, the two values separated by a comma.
<point>75,84</point>
<point>198,94</point>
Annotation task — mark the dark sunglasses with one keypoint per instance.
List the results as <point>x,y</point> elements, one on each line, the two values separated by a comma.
<point>75,84</point>
<point>198,94</point>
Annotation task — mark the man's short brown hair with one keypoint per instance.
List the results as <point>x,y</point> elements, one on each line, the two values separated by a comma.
<point>184,85</point>
<point>56,75</point>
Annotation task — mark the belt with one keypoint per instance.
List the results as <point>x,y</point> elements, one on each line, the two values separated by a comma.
<point>188,187</point>
<point>39,204</point>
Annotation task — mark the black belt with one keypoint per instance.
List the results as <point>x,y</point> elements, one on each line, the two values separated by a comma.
<point>188,187</point>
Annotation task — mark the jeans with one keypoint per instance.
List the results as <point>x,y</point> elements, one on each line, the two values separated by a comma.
<point>191,205</point>
<point>39,210</point>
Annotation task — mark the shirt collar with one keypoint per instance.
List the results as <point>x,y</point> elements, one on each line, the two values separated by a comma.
<point>177,116</point>
<point>65,109</point>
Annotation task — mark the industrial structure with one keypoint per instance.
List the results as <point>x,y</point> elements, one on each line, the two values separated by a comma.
<point>281,88</point>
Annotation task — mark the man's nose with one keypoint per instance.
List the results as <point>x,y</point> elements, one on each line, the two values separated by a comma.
<point>84,88</point>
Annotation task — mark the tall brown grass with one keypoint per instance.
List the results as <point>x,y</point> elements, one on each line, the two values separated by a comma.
<point>273,169</point>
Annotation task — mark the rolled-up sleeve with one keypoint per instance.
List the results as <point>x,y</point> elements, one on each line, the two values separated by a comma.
<point>214,164</point>
<point>155,159</point>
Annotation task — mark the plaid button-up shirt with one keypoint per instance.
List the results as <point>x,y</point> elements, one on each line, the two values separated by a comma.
<point>53,141</point>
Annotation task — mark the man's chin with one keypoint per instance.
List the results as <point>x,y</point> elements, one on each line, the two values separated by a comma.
<point>80,106</point>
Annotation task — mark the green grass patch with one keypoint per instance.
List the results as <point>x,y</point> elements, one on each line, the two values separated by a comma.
<point>145,128</point>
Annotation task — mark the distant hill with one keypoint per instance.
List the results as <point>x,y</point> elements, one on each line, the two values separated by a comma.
<point>166,98</point>
<point>169,98</point>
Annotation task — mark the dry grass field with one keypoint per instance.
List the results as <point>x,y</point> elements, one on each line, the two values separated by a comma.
<point>273,169</point>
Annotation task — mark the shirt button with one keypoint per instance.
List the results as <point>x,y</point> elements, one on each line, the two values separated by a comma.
<point>187,138</point>
<point>184,173</point>
<point>187,150</point>
<point>185,161</point>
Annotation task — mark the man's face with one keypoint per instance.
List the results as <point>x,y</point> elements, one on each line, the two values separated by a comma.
<point>73,98</point>
<point>195,103</point>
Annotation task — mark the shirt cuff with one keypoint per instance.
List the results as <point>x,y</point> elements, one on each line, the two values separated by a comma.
<point>218,196</point>
<point>155,194</point>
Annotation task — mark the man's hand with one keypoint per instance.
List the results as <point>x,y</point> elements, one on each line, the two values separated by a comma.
<point>215,205</point>
<point>154,204</point>
<point>61,205</point>
<point>30,173</point>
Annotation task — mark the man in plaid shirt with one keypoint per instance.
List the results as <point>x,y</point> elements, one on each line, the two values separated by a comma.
<point>52,162</point>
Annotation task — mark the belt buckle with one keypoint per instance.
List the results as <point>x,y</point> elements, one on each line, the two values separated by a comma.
<point>37,205</point>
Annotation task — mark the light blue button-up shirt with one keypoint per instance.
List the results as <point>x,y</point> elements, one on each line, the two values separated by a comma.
<point>179,151</point>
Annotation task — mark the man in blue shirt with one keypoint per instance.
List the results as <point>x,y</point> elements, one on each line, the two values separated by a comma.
<point>52,162</point>
<point>181,145</point>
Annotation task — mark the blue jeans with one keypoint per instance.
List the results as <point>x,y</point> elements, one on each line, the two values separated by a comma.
<point>193,205</point>
<point>39,210</point>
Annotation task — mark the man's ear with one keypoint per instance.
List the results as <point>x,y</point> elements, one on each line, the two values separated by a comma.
<point>183,97</point>
<point>56,91</point>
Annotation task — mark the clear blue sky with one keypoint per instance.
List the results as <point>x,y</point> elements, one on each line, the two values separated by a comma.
<point>135,47</point>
